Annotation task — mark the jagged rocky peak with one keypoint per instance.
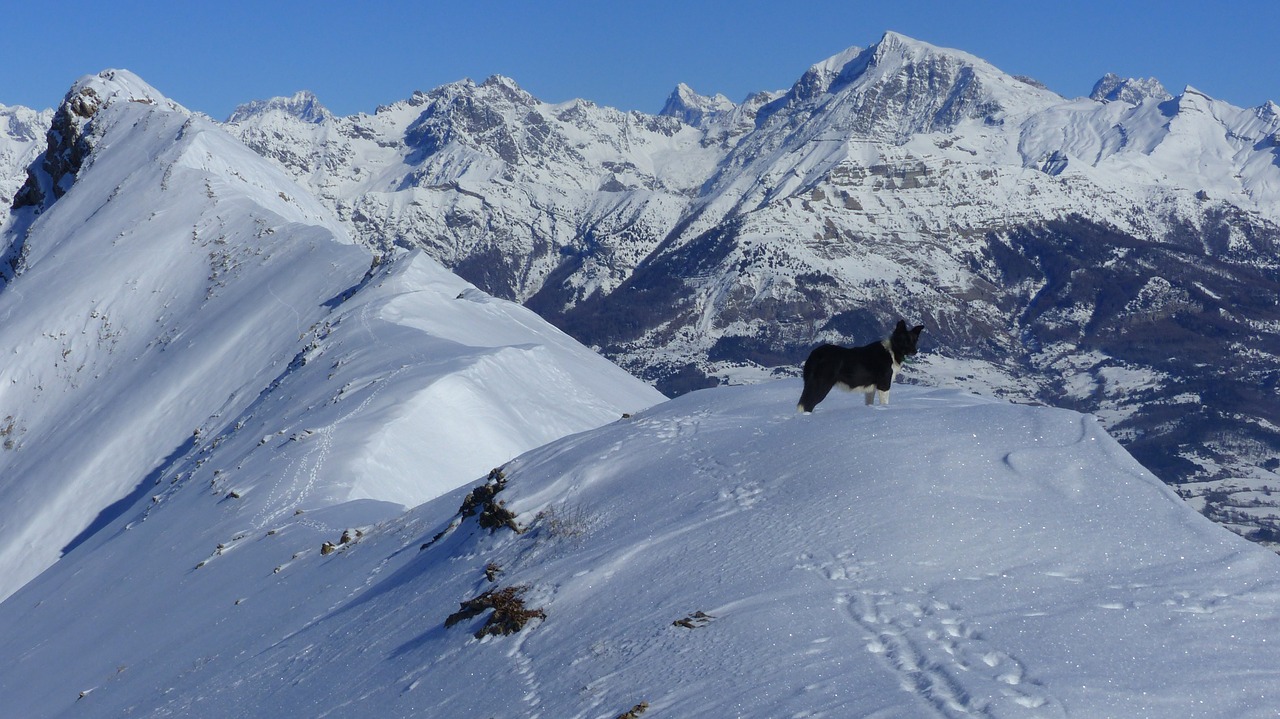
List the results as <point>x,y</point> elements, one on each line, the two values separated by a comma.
<point>506,88</point>
<point>21,123</point>
<point>901,86</point>
<point>70,136</point>
<point>692,108</point>
<point>472,115</point>
<point>1135,91</point>
<point>303,105</point>
<point>464,98</point>
<point>1268,111</point>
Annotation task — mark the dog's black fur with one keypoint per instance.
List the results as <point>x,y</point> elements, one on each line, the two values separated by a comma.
<point>870,368</point>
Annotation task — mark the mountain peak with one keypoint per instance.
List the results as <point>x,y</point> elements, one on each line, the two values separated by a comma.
<point>498,80</point>
<point>1192,99</point>
<point>69,141</point>
<point>893,45</point>
<point>692,108</point>
<point>509,89</point>
<point>112,85</point>
<point>902,86</point>
<point>897,42</point>
<point>1111,87</point>
<point>303,105</point>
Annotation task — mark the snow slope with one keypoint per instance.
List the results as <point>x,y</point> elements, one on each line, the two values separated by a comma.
<point>182,281</point>
<point>888,562</point>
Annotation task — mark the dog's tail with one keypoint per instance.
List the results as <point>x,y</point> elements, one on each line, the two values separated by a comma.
<point>808,398</point>
<point>807,401</point>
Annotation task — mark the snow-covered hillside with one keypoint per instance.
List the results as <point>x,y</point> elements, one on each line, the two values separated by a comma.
<point>716,555</point>
<point>177,290</point>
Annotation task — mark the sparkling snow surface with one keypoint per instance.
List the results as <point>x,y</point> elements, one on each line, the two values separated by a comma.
<point>944,556</point>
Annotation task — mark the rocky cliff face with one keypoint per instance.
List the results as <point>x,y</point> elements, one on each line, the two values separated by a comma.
<point>71,135</point>
<point>1116,254</point>
<point>68,145</point>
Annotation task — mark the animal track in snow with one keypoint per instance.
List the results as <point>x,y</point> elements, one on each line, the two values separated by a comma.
<point>1188,603</point>
<point>942,659</point>
<point>938,655</point>
<point>744,496</point>
<point>835,567</point>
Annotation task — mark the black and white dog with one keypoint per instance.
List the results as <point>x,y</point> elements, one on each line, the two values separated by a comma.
<point>870,368</point>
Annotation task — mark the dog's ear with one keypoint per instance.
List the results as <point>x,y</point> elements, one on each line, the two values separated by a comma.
<point>902,326</point>
<point>917,330</point>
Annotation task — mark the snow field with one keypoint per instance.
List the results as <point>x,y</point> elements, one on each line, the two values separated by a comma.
<point>943,556</point>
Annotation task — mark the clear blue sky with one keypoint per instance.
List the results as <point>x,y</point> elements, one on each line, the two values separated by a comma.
<point>211,56</point>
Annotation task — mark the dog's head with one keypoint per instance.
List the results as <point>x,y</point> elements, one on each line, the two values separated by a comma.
<point>904,340</point>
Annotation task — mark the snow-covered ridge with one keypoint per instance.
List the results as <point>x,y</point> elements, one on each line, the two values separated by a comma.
<point>152,297</point>
<point>715,555</point>
<point>179,280</point>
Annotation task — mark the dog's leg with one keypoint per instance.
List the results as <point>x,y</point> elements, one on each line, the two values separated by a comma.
<point>884,396</point>
<point>871,398</point>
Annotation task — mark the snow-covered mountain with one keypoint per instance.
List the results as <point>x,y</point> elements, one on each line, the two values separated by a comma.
<point>177,291</point>
<point>22,138</point>
<point>717,555</point>
<point>251,467</point>
<point>1114,254</point>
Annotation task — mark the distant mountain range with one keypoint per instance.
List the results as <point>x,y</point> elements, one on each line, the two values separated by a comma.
<point>1115,254</point>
